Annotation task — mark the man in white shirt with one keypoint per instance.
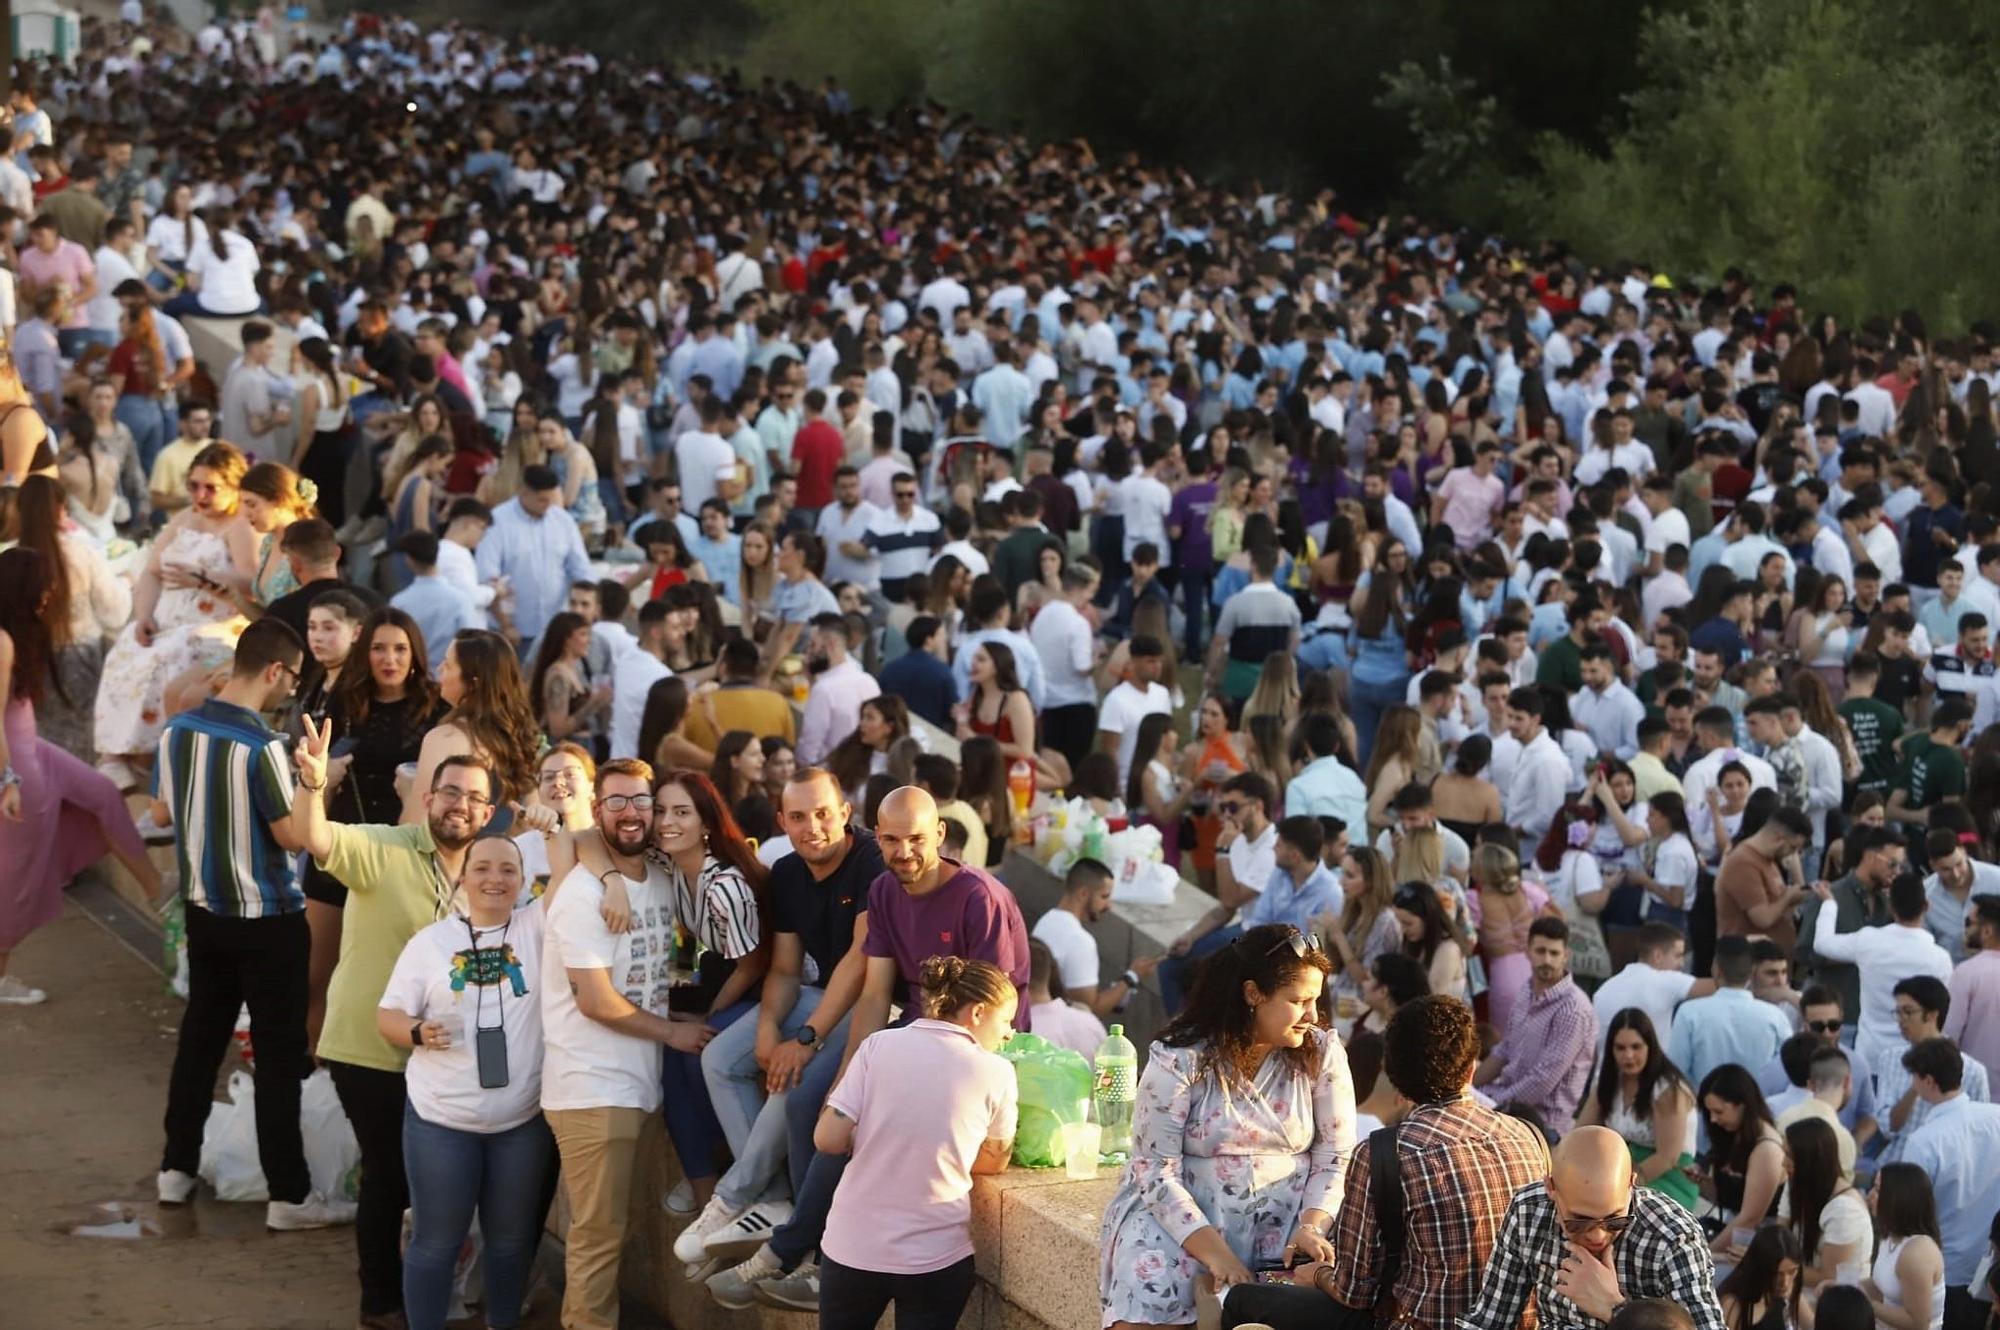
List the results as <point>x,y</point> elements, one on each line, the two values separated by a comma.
<point>1824,777</point>
<point>1064,640</point>
<point>1146,501</point>
<point>1065,930</point>
<point>707,461</point>
<point>945,294</point>
<point>1608,710</point>
<point>604,1019</point>
<point>1540,780</point>
<point>839,687</point>
<point>843,525</point>
<point>1878,406</point>
<point>1715,730</point>
<point>1246,857</point>
<point>1138,696</point>
<point>633,674</point>
<point>1656,983</point>
<point>534,543</point>
<point>1669,525</point>
<point>1885,954</point>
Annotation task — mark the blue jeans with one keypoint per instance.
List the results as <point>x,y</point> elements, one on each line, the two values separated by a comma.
<point>1194,603</point>
<point>187,305</point>
<point>147,418</point>
<point>73,341</point>
<point>691,1121</point>
<point>755,1126</point>
<point>814,1175</point>
<point>1177,972</point>
<point>1366,703</point>
<point>451,1174</point>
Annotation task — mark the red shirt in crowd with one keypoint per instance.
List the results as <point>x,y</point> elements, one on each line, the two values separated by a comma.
<point>819,450</point>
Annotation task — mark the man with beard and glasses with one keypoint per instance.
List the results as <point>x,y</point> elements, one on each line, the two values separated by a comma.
<point>602,1032</point>
<point>400,879</point>
<point>924,906</point>
<point>818,897</point>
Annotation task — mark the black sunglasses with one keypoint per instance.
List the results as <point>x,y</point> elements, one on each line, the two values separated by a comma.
<point>1824,1027</point>
<point>1578,1225</point>
<point>1301,945</point>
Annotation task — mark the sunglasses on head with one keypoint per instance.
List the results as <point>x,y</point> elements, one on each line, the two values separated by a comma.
<point>1301,945</point>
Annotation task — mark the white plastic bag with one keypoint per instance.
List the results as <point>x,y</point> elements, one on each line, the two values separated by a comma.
<point>468,1273</point>
<point>229,1145</point>
<point>1140,882</point>
<point>229,1161</point>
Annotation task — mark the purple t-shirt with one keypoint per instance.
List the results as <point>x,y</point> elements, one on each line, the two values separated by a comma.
<point>971,916</point>
<point>1190,513</point>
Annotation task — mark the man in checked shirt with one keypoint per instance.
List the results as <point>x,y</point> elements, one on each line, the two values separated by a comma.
<point>1586,1241</point>
<point>1458,1165</point>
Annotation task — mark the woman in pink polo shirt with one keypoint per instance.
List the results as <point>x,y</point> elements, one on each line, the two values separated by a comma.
<point>923,1108</point>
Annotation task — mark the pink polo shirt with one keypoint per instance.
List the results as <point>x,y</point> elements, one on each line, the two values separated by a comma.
<point>70,265</point>
<point>1470,504</point>
<point>923,1098</point>
<point>1974,1020</point>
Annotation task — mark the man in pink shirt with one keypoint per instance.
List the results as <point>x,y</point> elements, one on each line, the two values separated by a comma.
<point>430,341</point>
<point>51,261</point>
<point>1974,1019</point>
<point>1470,498</point>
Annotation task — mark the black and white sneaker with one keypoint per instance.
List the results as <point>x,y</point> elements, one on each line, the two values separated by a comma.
<point>749,1231</point>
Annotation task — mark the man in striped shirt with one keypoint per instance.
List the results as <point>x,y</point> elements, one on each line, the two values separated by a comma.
<point>226,782</point>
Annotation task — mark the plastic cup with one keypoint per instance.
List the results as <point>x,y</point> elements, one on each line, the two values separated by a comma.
<point>406,774</point>
<point>1080,1142</point>
<point>454,1026</point>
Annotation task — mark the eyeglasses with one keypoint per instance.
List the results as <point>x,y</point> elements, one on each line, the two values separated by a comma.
<point>451,794</point>
<point>1824,1027</point>
<point>618,803</point>
<point>292,670</point>
<point>1578,1225</point>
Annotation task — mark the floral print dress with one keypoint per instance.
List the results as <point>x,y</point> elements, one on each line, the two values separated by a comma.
<point>196,627</point>
<point>1210,1151</point>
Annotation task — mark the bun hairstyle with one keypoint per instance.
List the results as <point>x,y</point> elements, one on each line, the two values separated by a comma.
<point>950,983</point>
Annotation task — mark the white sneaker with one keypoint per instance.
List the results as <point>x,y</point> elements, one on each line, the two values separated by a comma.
<point>176,1187</point>
<point>16,993</point>
<point>679,1201</point>
<point>736,1287</point>
<point>315,1211</point>
<point>120,773</point>
<point>715,1216</point>
<point>750,1230</point>
<point>795,1292</point>
<point>152,832</point>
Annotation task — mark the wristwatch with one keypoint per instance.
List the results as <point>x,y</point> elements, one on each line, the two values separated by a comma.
<point>417,1035</point>
<point>809,1037</point>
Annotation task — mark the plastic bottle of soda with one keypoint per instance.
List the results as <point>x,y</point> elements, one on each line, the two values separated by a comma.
<point>1117,1067</point>
<point>1021,789</point>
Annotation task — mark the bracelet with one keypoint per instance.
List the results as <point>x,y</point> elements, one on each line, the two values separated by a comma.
<point>1319,1279</point>
<point>1312,1228</point>
<point>9,778</point>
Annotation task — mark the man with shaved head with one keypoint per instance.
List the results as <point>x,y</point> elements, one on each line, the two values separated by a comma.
<point>925,905</point>
<point>1586,1241</point>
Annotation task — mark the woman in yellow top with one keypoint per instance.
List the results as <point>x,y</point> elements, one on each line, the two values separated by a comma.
<point>1225,520</point>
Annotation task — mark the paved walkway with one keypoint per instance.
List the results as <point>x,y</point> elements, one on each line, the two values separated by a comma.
<point>83,1083</point>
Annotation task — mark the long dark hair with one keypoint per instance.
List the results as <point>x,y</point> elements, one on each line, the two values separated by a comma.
<point>666,708</point>
<point>1006,675</point>
<point>25,578</point>
<point>1152,728</point>
<point>1905,1205</point>
<point>1755,1277</point>
<point>1381,604</point>
<point>354,689</point>
<point>1216,1017</point>
<point>722,770</point>
<point>1659,1072</point>
<point>493,710</point>
<point>1732,1084</point>
<point>548,654</point>
<point>852,761</point>
<point>726,842</point>
<point>1421,899</point>
<point>1673,808</point>
<point>982,782</point>
<point>1815,1175</point>
<point>38,514</point>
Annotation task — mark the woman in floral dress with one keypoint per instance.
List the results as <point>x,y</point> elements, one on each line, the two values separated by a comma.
<point>181,616</point>
<point>1241,1135</point>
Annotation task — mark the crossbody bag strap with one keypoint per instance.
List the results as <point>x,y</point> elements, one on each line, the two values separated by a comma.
<point>1385,1191</point>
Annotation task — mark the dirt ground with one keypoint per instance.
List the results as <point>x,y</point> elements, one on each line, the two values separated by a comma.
<point>83,1083</point>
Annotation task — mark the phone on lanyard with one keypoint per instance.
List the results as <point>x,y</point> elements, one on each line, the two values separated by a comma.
<point>491,1047</point>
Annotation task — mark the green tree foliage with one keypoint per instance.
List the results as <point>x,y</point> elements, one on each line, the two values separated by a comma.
<point>1838,144</point>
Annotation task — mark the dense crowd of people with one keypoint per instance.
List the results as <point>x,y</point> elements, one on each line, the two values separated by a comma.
<point>704,527</point>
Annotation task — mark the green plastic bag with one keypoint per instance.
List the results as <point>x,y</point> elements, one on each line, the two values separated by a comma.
<point>1054,1085</point>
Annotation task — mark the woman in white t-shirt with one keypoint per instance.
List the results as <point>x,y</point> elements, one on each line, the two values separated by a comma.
<point>173,235</point>
<point>921,1110</point>
<point>221,275</point>
<point>1668,865</point>
<point>1836,1233</point>
<point>466,997</point>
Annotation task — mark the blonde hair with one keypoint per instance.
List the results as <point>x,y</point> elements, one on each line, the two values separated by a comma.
<point>279,485</point>
<point>1367,899</point>
<point>1496,866</point>
<point>1420,858</point>
<point>951,983</point>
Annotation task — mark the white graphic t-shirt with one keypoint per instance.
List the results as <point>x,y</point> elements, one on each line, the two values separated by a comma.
<point>586,1064</point>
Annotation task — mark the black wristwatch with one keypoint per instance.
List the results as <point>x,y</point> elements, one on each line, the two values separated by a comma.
<point>417,1034</point>
<point>809,1037</point>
